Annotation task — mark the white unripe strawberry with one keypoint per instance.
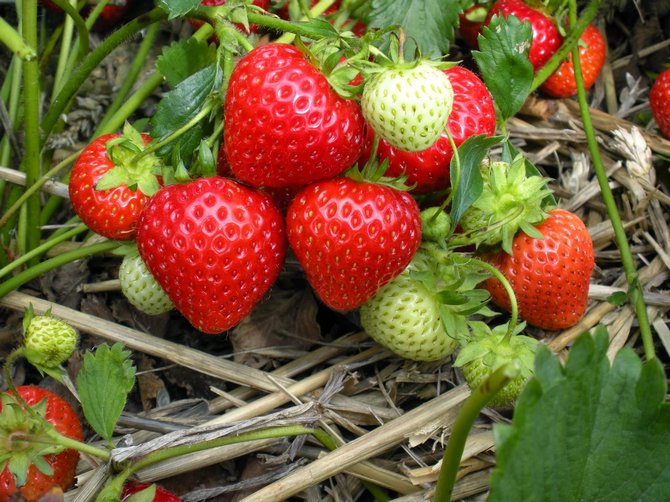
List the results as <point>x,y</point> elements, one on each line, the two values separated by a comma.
<point>408,105</point>
<point>140,287</point>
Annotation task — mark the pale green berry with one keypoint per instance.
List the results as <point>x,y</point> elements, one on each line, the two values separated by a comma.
<point>140,287</point>
<point>49,342</point>
<point>404,316</point>
<point>408,106</point>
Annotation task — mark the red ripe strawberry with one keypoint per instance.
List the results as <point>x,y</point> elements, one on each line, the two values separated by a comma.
<point>108,189</point>
<point>285,125</point>
<point>659,101</point>
<point>214,246</point>
<point>546,38</point>
<point>161,494</point>
<point>22,454</point>
<point>472,113</point>
<point>550,277</point>
<point>592,54</point>
<point>352,237</point>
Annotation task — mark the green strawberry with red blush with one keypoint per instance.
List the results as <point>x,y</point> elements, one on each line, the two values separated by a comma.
<point>285,124</point>
<point>592,55</point>
<point>30,469</point>
<point>140,288</point>
<point>546,38</point>
<point>352,237</point>
<point>214,246</point>
<point>550,275</point>
<point>108,187</point>
<point>659,102</point>
<point>472,114</point>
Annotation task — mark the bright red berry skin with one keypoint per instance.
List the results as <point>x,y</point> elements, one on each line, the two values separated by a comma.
<point>659,101</point>
<point>61,415</point>
<point>162,495</point>
<point>472,113</point>
<point>285,125</point>
<point>550,277</point>
<point>215,247</point>
<point>111,213</point>
<point>546,38</point>
<point>592,55</point>
<point>352,237</point>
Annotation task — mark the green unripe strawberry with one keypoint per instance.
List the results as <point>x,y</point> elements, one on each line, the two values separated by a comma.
<point>510,201</point>
<point>405,317</point>
<point>48,342</point>
<point>408,105</point>
<point>488,350</point>
<point>140,288</point>
<point>435,224</point>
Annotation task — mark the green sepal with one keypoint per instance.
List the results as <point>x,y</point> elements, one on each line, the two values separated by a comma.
<point>146,495</point>
<point>19,466</point>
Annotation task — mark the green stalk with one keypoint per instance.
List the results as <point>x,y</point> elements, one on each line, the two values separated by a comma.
<point>31,273</point>
<point>43,248</point>
<point>636,294</point>
<point>11,38</point>
<point>315,11</point>
<point>570,42</point>
<point>31,112</point>
<point>32,189</point>
<point>514,307</point>
<point>91,61</point>
<point>131,77</point>
<point>72,19</point>
<point>464,421</point>
<point>13,102</point>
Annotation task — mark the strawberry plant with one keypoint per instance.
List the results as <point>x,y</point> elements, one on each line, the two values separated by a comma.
<point>387,227</point>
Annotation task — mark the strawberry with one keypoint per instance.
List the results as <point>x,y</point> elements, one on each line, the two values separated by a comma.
<point>550,276</point>
<point>659,101</point>
<point>405,316</point>
<point>352,237</point>
<point>488,350</point>
<point>214,246</point>
<point>470,24</point>
<point>160,494</point>
<point>26,464</point>
<point>48,342</point>
<point>592,54</point>
<point>472,113</point>
<point>140,288</point>
<point>546,38</point>
<point>284,123</point>
<point>408,104</point>
<point>108,188</point>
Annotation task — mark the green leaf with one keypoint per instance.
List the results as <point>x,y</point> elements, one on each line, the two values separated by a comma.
<point>467,179</point>
<point>618,298</point>
<point>103,383</point>
<point>588,430</point>
<point>178,8</point>
<point>428,24</point>
<point>184,58</point>
<point>179,106</point>
<point>504,65</point>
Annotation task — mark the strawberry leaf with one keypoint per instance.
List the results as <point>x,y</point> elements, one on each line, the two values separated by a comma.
<point>592,420</point>
<point>428,24</point>
<point>505,44</point>
<point>178,8</point>
<point>103,383</point>
<point>182,105</point>
<point>467,179</point>
<point>182,59</point>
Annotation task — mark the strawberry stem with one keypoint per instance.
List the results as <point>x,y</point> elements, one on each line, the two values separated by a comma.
<point>456,161</point>
<point>636,294</point>
<point>464,421</point>
<point>514,308</point>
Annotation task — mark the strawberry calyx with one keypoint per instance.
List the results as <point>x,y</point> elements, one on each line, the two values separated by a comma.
<point>132,166</point>
<point>375,172</point>
<point>25,439</point>
<point>490,349</point>
<point>510,201</point>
